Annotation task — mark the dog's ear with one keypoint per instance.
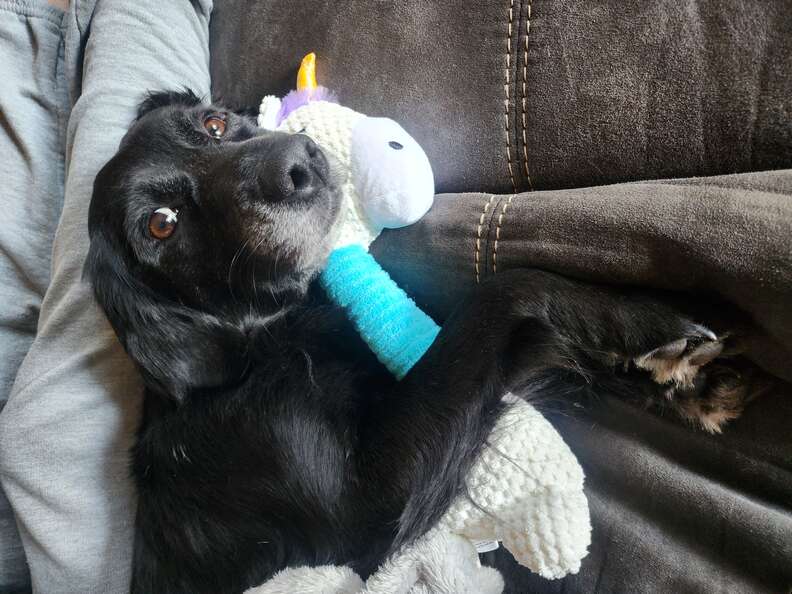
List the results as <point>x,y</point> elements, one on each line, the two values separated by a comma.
<point>177,349</point>
<point>157,99</point>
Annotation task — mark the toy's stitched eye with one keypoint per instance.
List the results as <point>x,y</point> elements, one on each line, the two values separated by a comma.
<point>215,125</point>
<point>397,146</point>
<point>162,223</point>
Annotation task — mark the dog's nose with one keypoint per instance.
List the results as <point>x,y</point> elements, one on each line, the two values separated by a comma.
<point>294,169</point>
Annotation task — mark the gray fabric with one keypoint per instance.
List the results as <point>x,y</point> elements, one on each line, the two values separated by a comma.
<point>33,105</point>
<point>68,424</point>
<point>602,91</point>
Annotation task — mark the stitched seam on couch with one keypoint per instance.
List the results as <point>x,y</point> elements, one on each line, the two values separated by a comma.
<point>501,216</point>
<point>506,85</point>
<point>487,246</point>
<point>477,243</point>
<point>523,97</point>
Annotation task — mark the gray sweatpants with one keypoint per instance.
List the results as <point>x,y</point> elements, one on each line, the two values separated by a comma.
<point>33,111</point>
<point>70,84</point>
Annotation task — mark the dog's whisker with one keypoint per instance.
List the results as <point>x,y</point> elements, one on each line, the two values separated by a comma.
<point>231,267</point>
<point>248,260</point>
<point>274,275</point>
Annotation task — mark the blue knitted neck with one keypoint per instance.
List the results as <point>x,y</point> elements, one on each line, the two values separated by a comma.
<point>395,328</point>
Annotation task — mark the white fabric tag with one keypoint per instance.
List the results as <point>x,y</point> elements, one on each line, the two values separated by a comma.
<point>485,546</point>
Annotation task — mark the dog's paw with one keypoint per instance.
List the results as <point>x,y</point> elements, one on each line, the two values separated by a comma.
<point>678,362</point>
<point>718,394</point>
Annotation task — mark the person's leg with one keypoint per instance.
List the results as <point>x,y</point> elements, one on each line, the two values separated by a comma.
<point>68,424</point>
<point>33,112</point>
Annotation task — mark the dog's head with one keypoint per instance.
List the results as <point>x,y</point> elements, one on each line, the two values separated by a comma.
<point>200,218</point>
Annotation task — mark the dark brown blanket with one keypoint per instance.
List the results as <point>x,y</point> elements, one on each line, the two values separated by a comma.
<point>730,235</point>
<point>673,510</point>
<point>678,512</point>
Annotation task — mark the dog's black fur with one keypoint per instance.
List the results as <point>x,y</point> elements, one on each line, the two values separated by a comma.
<point>271,436</point>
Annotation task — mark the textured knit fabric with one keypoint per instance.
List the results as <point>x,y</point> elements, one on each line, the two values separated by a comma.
<point>382,186</point>
<point>395,329</point>
<point>526,490</point>
<point>333,124</point>
<point>66,430</point>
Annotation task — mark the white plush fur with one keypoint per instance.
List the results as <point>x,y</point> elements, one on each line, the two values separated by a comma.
<point>440,562</point>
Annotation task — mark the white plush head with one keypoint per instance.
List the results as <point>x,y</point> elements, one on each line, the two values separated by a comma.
<point>389,181</point>
<point>391,172</point>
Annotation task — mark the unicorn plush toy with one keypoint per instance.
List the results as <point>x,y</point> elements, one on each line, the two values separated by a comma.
<point>388,184</point>
<point>526,489</point>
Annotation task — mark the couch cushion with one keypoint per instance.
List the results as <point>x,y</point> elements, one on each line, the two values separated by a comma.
<point>520,95</point>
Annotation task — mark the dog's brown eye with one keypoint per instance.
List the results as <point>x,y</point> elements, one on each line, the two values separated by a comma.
<point>215,126</point>
<point>162,223</point>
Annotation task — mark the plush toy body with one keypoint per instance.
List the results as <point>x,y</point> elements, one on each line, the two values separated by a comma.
<point>388,183</point>
<point>526,488</point>
<point>393,326</point>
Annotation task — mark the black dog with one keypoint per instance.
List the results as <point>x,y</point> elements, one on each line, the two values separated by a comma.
<point>271,436</point>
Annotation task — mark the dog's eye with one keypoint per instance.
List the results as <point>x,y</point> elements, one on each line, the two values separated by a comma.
<point>162,223</point>
<point>215,125</point>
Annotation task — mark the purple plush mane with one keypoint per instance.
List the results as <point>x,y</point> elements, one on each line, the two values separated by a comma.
<point>297,99</point>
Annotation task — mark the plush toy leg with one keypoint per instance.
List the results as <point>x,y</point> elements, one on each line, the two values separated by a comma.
<point>393,326</point>
<point>438,563</point>
<point>328,579</point>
